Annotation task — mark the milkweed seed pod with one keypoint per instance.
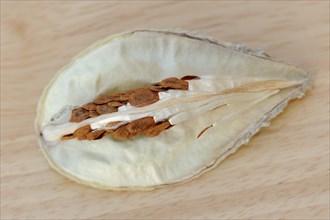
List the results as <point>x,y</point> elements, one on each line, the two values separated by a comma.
<point>150,108</point>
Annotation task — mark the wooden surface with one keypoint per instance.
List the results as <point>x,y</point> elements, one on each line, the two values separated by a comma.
<point>282,173</point>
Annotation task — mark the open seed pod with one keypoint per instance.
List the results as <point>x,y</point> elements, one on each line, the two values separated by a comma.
<point>91,112</point>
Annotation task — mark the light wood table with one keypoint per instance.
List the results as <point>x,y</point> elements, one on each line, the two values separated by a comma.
<point>282,173</point>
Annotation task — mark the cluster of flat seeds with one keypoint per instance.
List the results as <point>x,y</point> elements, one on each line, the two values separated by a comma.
<point>99,106</point>
<point>143,126</point>
<point>109,104</point>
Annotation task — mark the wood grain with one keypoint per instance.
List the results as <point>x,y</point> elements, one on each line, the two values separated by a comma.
<point>282,173</point>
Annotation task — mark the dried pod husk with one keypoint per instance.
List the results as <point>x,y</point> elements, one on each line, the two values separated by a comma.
<point>183,151</point>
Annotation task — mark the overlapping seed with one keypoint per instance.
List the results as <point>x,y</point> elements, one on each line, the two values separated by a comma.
<point>93,114</point>
<point>157,129</point>
<point>79,115</point>
<point>110,104</point>
<point>105,109</point>
<point>174,83</point>
<point>143,97</point>
<point>158,89</point>
<point>94,135</point>
<point>115,104</point>
<point>139,125</point>
<point>82,132</point>
<point>89,106</point>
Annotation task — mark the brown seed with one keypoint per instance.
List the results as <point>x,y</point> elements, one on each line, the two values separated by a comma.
<point>105,99</point>
<point>93,114</point>
<point>158,89</point>
<point>123,97</point>
<point>122,133</point>
<point>67,137</point>
<point>105,109</point>
<point>116,97</point>
<point>115,104</point>
<point>157,129</point>
<point>190,77</point>
<point>174,83</point>
<point>143,97</point>
<point>102,100</point>
<point>82,132</point>
<point>89,106</point>
<point>78,115</point>
<point>94,135</point>
<point>140,125</point>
